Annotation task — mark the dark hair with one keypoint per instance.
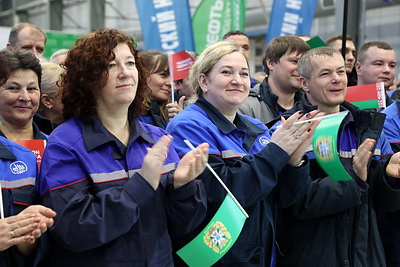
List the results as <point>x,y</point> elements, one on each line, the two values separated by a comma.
<point>234,32</point>
<point>281,45</point>
<point>20,59</point>
<point>155,61</point>
<point>87,72</point>
<point>337,37</point>
<point>13,37</point>
<point>4,70</point>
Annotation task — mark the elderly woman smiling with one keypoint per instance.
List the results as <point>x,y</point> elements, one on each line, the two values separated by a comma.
<point>20,96</point>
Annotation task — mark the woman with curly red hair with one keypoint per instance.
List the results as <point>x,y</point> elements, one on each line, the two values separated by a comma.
<point>117,187</point>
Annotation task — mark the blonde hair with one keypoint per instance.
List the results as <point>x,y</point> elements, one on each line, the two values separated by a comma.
<point>51,73</point>
<point>208,58</point>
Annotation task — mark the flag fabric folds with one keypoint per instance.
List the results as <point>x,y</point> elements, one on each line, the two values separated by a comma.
<point>166,25</point>
<point>324,144</point>
<point>367,95</point>
<point>217,237</point>
<point>180,64</point>
<point>213,18</point>
<point>289,17</point>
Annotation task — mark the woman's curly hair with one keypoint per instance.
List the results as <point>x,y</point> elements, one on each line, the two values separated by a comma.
<point>87,73</point>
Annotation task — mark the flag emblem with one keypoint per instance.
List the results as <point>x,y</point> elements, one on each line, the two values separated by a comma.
<point>218,238</point>
<point>324,148</point>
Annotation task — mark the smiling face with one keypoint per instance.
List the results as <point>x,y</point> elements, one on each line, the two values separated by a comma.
<point>326,86</point>
<point>283,73</point>
<point>121,86</point>
<point>227,85</point>
<point>19,98</point>
<point>160,85</point>
<point>379,66</point>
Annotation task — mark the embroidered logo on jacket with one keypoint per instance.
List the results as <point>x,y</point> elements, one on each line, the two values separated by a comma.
<point>218,237</point>
<point>18,167</point>
<point>264,140</point>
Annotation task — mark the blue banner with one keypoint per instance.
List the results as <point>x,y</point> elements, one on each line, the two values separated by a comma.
<point>290,17</point>
<point>166,25</point>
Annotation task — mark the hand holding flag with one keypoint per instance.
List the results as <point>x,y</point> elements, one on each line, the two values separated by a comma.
<point>220,233</point>
<point>179,67</point>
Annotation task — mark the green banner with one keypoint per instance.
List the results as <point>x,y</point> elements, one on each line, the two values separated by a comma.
<point>56,41</point>
<point>213,18</point>
<point>325,147</point>
<point>216,238</point>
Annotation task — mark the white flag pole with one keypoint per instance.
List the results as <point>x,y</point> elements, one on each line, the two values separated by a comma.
<point>319,118</point>
<point>1,203</point>
<point>171,76</point>
<point>187,142</point>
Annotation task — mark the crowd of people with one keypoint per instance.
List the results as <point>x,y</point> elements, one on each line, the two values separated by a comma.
<point>119,186</point>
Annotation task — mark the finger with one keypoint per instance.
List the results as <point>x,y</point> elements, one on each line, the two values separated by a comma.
<point>159,150</point>
<point>283,120</point>
<point>181,100</point>
<point>170,105</point>
<point>18,240</point>
<point>309,127</point>
<point>24,222</point>
<point>292,119</point>
<point>47,212</point>
<point>23,230</point>
<point>163,142</point>
<point>367,145</point>
<point>37,233</point>
<point>202,162</point>
<point>19,217</point>
<point>49,222</point>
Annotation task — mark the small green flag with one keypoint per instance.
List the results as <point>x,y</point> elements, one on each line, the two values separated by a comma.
<point>217,237</point>
<point>325,147</point>
<point>315,42</point>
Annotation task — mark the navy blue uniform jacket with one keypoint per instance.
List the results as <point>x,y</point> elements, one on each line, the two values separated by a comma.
<point>107,214</point>
<point>254,169</point>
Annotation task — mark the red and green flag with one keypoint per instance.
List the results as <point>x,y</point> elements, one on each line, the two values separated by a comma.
<point>367,95</point>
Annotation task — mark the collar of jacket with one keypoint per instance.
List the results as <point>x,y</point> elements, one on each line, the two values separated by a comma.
<point>95,133</point>
<point>5,153</point>
<point>37,134</point>
<point>264,92</point>
<point>226,127</point>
